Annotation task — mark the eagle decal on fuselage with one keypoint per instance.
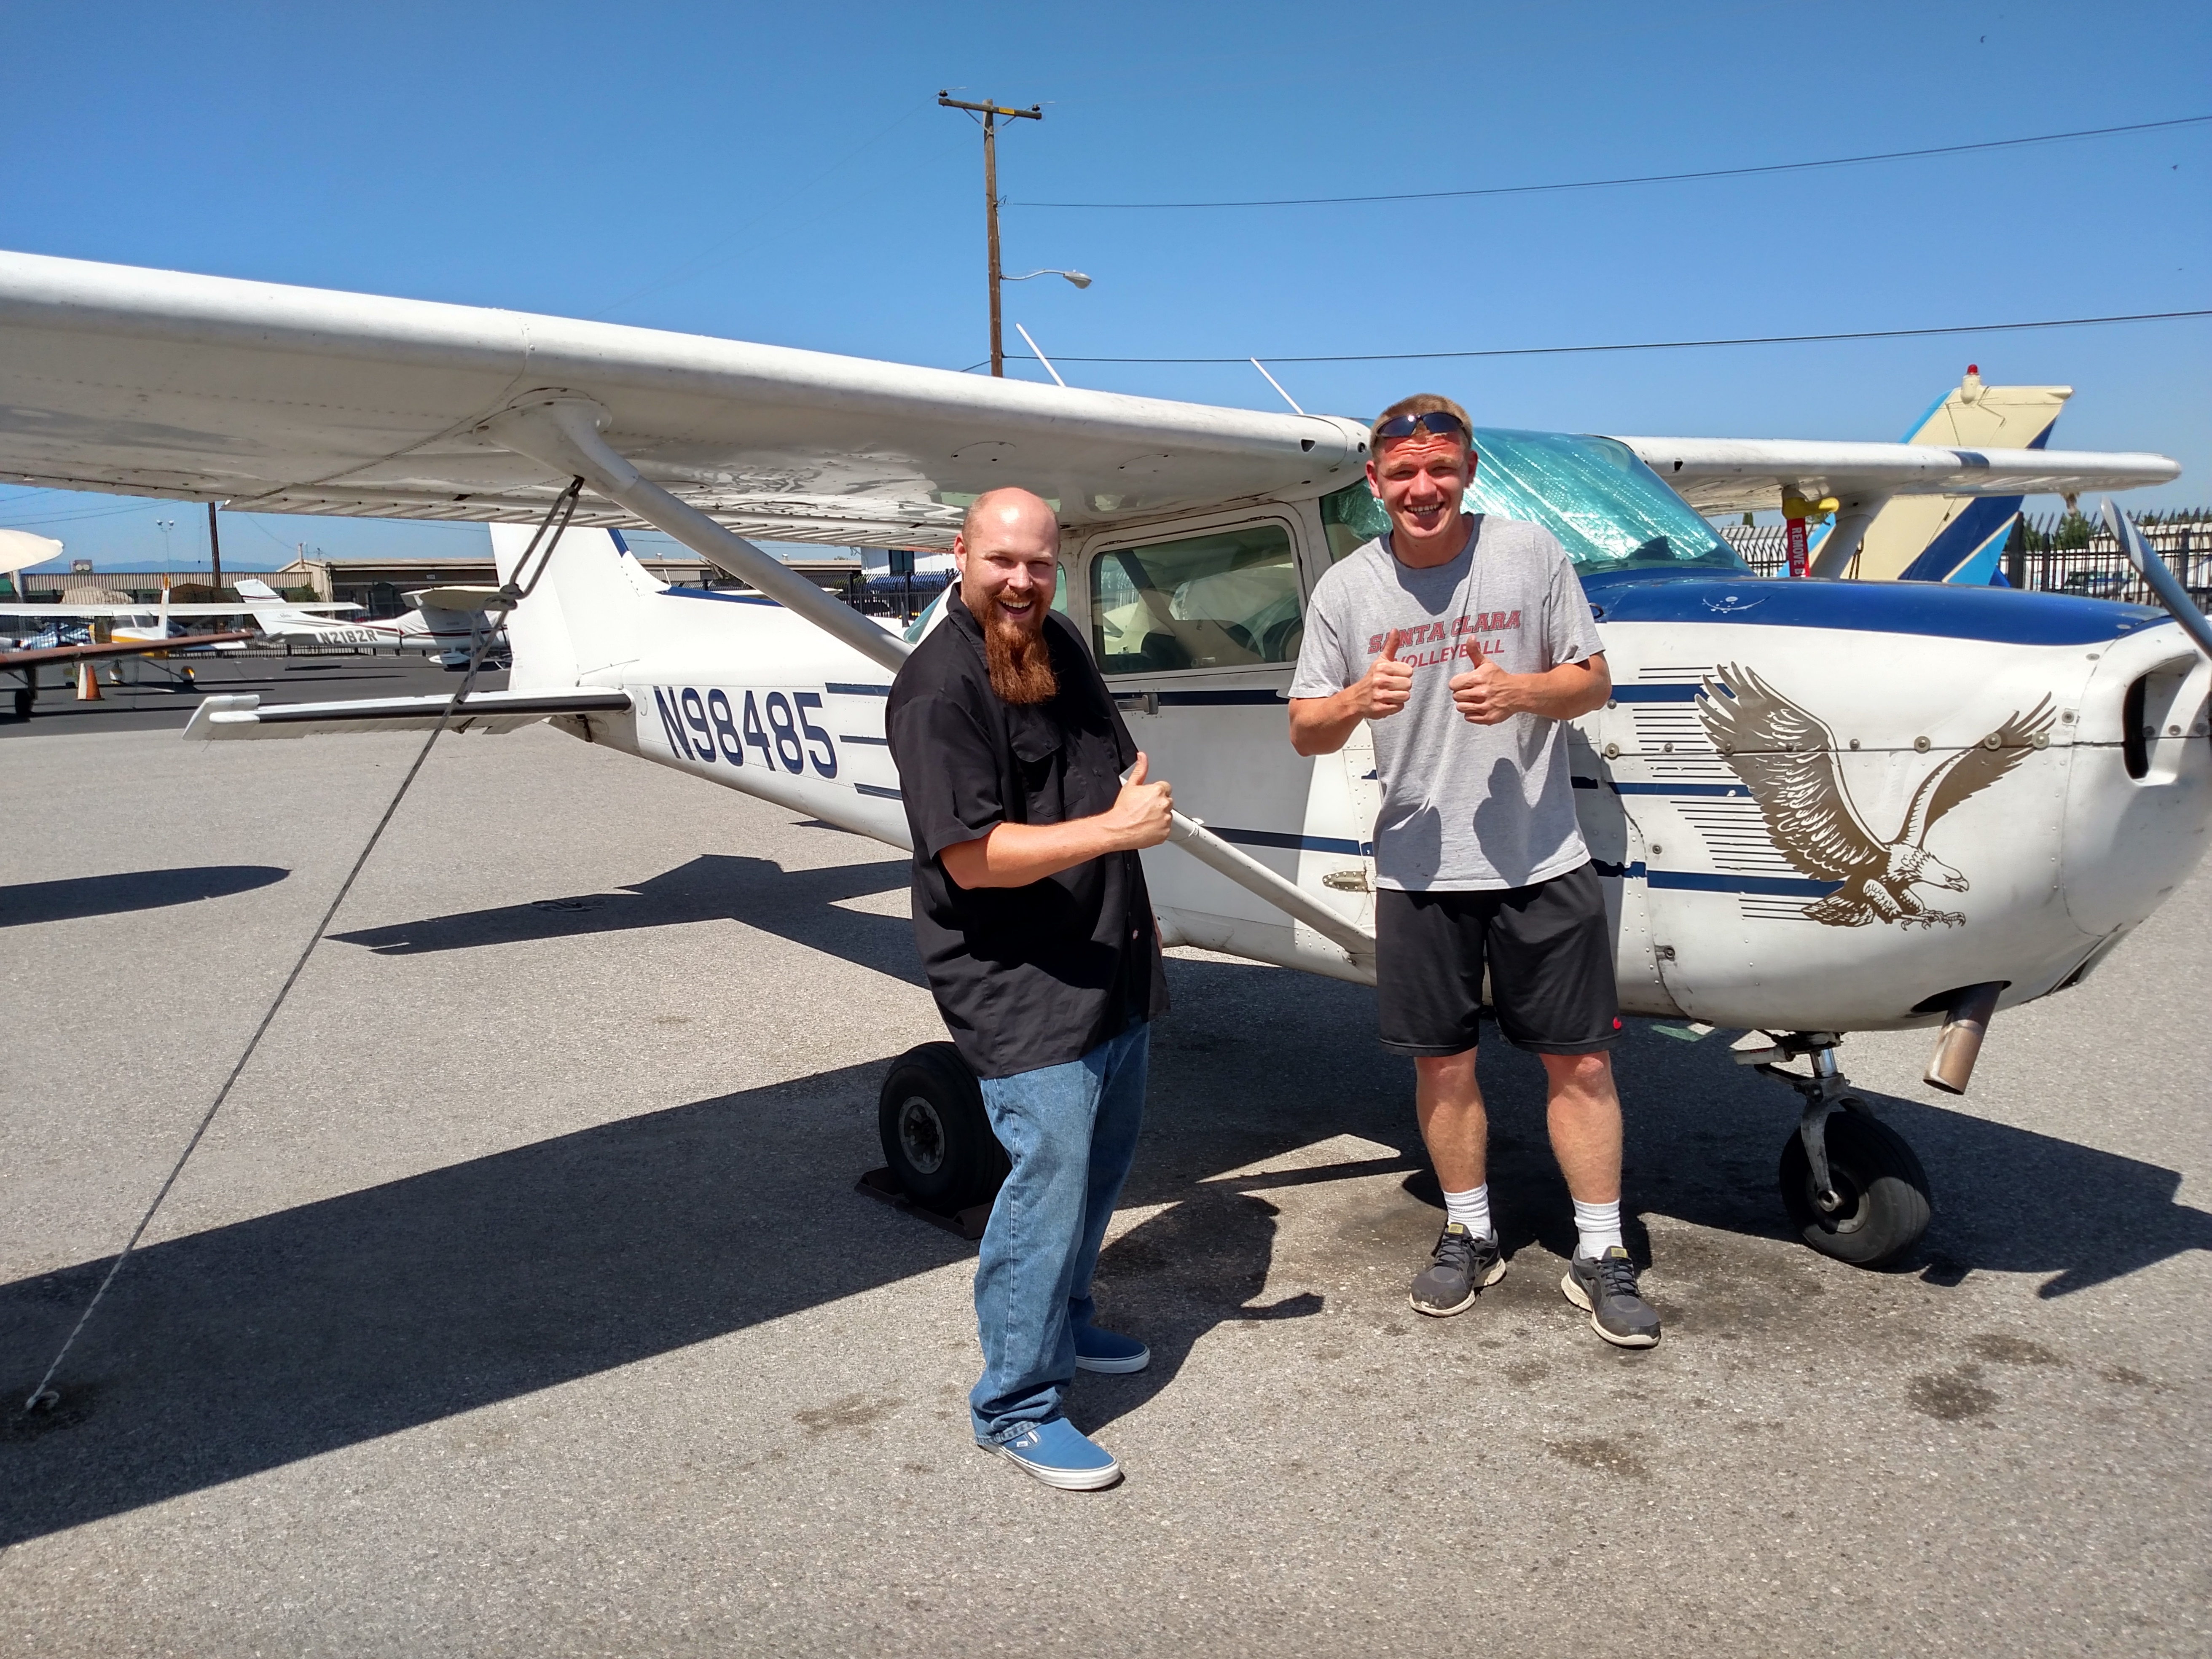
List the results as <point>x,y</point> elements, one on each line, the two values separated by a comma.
<point>1787,757</point>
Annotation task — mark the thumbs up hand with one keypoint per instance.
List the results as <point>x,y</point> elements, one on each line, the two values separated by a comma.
<point>1388,683</point>
<point>1486,695</point>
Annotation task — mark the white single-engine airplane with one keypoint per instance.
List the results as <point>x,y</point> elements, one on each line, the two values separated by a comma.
<point>446,622</point>
<point>1818,807</point>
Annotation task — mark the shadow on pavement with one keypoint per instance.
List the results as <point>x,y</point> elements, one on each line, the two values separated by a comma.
<point>252,1345</point>
<point>1704,1136</point>
<point>246,1347</point>
<point>798,905</point>
<point>29,902</point>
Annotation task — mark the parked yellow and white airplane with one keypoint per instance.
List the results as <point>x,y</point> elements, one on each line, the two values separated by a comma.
<point>136,632</point>
<point>1818,807</point>
<point>1875,531</point>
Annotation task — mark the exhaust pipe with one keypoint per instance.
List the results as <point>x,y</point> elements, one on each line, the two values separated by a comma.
<point>1965,1023</point>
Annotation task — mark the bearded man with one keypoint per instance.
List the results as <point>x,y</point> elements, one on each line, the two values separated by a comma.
<point>1036,931</point>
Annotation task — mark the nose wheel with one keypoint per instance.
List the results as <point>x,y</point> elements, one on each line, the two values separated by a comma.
<point>1853,1188</point>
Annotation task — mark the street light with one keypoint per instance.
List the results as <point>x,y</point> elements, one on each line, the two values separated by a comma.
<point>1074,276</point>
<point>165,525</point>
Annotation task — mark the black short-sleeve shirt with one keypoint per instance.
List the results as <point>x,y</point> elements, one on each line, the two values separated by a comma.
<point>1028,977</point>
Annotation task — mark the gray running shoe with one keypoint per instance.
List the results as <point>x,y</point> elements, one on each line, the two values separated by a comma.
<point>1607,1287</point>
<point>1463,1264</point>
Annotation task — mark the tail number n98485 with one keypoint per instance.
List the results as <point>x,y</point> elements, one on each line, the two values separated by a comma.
<point>710,727</point>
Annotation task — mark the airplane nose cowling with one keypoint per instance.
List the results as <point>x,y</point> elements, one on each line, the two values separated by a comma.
<point>2139,792</point>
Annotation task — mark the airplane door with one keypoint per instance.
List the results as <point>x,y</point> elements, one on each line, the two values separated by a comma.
<point>1196,630</point>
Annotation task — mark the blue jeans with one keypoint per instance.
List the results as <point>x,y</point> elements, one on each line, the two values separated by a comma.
<point>1070,1132</point>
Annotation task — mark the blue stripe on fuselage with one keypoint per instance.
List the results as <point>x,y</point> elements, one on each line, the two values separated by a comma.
<point>1937,609</point>
<point>709,594</point>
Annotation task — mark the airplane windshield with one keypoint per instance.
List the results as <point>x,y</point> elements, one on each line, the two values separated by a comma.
<point>1610,511</point>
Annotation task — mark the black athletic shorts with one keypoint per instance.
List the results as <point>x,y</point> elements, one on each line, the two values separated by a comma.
<point>1550,955</point>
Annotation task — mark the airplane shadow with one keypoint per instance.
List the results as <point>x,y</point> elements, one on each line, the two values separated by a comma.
<point>249,1346</point>
<point>30,901</point>
<point>1704,1138</point>
<point>800,905</point>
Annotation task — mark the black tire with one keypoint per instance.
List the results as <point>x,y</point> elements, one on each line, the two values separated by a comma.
<point>22,702</point>
<point>1886,1207</point>
<point>936,1138</point>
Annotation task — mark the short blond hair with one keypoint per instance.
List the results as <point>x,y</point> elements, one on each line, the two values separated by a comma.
<point>1428,403</point>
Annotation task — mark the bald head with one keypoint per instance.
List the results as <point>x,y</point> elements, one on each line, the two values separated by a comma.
<point>1013,510</point>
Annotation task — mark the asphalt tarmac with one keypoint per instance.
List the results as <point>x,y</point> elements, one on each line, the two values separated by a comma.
<point>520,1302</point>
<point>153,694</point>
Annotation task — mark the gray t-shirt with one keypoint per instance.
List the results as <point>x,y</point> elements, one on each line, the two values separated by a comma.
<point>1464,806</point>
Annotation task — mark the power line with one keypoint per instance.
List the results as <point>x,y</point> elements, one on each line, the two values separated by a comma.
<point>700,264</point>
<point>1656,345</point>
<point>1642,179</point>
<point>79,515</point>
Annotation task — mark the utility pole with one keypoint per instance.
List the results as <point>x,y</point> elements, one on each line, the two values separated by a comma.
<point>215,550</point>
<point>991,114</point>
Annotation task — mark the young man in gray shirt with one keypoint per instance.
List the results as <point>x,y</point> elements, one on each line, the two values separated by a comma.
<point>1465,642</point>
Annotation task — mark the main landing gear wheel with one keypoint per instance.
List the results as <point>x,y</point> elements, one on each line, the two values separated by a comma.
<point>936,1138</point>
<point>23,703</point>
<point>1880,1205</point>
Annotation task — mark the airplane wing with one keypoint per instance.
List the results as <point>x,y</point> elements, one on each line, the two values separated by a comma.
<point>245,715</point>
<point>123,648</point>
<point>463,598</point>
<point>303,400</point>
<point>19,549</point>
<point>149,608</point>
<point>1732,475</point>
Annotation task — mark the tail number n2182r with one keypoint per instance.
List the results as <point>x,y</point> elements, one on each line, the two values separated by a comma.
<point>709,727</point>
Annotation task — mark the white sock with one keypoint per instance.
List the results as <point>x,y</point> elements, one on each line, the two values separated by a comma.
<point>1598,1226</point>
<point>1470,1209</point>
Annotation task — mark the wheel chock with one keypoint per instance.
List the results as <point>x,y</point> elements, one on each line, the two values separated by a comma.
<point>968,1223</point>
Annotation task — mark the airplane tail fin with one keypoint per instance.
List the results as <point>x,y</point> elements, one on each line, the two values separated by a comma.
<point>268,607</point>
<point>1960,538</point>
<point>583,612</point>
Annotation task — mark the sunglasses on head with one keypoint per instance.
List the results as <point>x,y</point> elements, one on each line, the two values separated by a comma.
<point>1440,422</point>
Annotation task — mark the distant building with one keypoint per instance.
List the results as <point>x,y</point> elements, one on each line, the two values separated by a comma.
<point>379,585</point>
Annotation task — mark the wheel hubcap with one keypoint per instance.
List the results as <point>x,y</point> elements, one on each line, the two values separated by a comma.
<point>922,1134</point>
<point>1849,1212</point>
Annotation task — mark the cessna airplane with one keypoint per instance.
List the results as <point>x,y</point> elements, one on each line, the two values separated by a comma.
<point>1818,807</point>
<point>446,622</point>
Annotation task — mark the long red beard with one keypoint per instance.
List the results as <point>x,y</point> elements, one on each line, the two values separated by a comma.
<point>1020,661</point>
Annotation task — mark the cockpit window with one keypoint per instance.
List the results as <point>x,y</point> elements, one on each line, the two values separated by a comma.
<point>1609,510</point>
<point>1227,599</point>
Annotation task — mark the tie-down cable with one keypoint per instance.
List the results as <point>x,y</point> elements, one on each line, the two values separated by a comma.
<point>512,592</point>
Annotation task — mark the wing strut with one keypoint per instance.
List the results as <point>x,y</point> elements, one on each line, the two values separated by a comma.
<point>562,434</point>
<point>1834,558</point>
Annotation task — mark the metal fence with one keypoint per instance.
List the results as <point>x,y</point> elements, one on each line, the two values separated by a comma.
<point>2097,570</point>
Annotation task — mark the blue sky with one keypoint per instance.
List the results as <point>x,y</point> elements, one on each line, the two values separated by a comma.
<point>783,174</point>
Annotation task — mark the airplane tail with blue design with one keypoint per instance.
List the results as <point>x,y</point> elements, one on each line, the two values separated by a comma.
<point>1959,539</point>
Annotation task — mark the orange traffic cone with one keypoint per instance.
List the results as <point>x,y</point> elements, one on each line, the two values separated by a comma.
<point>88,683</point>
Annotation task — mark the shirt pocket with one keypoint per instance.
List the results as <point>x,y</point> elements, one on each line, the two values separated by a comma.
<point>1040,762</point>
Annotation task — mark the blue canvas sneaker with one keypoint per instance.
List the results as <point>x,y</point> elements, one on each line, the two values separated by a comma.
<point>1060,1454</point>
<point>1108,1350</point>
